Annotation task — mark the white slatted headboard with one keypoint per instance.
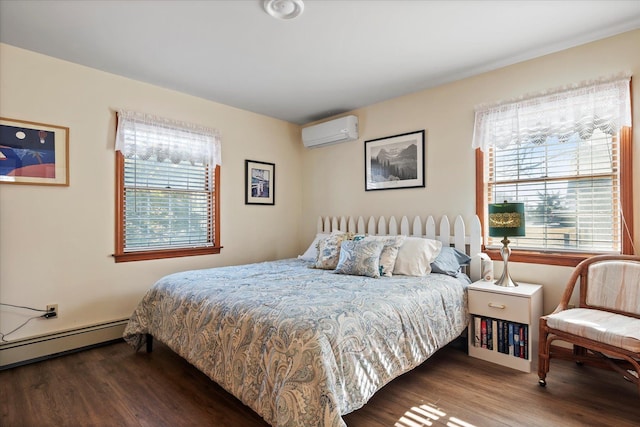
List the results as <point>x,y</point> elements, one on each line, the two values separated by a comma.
<point>466,239</point>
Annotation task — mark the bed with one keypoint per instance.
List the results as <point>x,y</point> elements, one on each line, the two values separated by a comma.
<point>303,346</point>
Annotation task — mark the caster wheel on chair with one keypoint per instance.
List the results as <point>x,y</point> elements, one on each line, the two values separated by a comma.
<point>542,383</point>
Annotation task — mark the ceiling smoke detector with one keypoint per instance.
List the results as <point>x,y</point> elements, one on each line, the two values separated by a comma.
<point>283,9</point>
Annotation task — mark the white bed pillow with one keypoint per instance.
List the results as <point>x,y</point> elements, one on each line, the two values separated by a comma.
<point>416,255</point>
<point>389,252</point>
<point>311,254</point>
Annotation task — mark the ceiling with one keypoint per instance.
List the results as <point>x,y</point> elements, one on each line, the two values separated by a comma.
<point>336,57</point>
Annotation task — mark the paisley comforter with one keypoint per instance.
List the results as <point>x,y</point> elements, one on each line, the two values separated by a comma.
<point>300,346</point>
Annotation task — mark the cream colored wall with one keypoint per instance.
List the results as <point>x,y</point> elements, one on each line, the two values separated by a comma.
<point>333,176</point>
<point>56,242</point>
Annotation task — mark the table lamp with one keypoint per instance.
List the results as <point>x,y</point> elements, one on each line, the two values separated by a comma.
<point>505,220</point>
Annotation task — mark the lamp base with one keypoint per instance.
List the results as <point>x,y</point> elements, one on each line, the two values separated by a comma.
<point>505,279</point>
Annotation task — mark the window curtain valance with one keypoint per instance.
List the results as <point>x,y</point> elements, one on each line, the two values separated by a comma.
<point>562,113</point>
<point>146,137</point>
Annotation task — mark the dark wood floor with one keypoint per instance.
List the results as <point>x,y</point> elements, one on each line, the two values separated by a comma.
<point>113,386</point>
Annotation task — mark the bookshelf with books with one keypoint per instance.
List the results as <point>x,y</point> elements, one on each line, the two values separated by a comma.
<point>504,323</point>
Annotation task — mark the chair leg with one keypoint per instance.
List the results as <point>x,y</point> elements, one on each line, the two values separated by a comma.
<point>579,353</point>
<point>543,353</point>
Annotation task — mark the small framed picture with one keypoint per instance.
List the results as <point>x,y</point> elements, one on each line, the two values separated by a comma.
<point>33,153</point>
<point>260,183</point>
<point>394,162</point>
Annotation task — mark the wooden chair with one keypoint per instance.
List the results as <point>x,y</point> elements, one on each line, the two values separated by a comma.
<point>605,326</point>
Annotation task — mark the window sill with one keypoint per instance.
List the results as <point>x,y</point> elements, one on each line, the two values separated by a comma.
<point>166,253</point>
<point>567,259</point>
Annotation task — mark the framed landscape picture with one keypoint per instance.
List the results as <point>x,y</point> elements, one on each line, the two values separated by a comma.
<point>33,153</point>
<point>394,161</point>
<point>260,181</point>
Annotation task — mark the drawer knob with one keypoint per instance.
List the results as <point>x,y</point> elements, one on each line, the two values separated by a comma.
<point>500,306</point>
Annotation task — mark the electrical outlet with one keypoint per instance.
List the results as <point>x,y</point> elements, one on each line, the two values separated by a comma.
<point>52,308</point>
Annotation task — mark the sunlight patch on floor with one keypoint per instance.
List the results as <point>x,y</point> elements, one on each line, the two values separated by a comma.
<point>424,415</point>
<point>455,422</point>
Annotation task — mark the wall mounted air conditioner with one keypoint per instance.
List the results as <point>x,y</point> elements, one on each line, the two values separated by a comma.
<point>331,132</point>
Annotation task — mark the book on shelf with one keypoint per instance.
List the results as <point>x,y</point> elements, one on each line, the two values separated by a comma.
<point>489,334</point>
<point>510,337</point>
<point>494,334</point>
<point>483,332</point>
<point>505,337</point>
<point>525,341</point>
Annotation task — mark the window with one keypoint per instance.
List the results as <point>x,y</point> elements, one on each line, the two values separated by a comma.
<point>567,156</point>
<point>167,188</point>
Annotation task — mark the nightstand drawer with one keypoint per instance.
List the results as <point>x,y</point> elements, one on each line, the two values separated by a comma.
<point>499,306</point>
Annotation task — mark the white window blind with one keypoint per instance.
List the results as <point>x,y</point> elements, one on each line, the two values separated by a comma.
<point>559,154</point>
<point>169,172</point>
<point>570,190</point>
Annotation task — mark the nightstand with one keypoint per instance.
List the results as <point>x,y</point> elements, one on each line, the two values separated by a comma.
<point>504,323</point>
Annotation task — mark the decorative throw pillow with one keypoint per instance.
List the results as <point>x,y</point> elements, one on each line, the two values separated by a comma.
<point>389,252</point>
<point>449,261</point>
<point>416,255</point>
<point>329,250</point>
<point>360,258</point>
<point>311,254</point>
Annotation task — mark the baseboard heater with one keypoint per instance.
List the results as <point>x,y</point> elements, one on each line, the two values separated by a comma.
<point>35,349</point>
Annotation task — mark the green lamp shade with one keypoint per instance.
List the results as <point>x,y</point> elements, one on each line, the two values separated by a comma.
<point>506,219</point>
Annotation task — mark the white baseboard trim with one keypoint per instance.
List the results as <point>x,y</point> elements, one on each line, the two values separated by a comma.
<point>33,349</point>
